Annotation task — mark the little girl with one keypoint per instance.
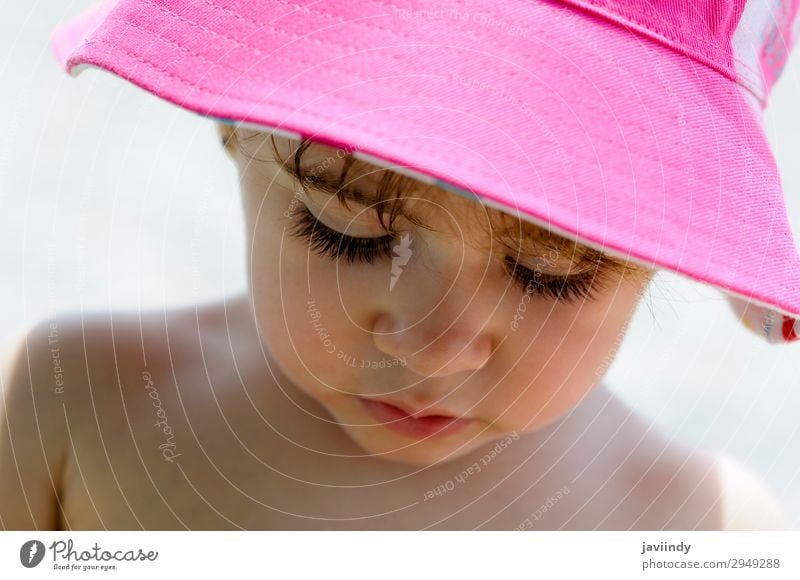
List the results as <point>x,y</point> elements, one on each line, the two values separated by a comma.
<point>451,217</point>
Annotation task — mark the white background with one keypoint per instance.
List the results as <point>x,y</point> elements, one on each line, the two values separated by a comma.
<point>112,198</point>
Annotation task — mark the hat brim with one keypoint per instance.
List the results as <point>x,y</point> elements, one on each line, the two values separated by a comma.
<point>579,125</point>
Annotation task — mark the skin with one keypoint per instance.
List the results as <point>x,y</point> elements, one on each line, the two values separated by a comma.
<point>448,318</point>
<point>234,414</point>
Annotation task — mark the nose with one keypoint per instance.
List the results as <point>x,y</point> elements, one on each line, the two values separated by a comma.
<point>430,349</point>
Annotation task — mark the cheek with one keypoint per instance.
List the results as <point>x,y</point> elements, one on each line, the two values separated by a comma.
<point>312,318</point>
<point>554,364</point>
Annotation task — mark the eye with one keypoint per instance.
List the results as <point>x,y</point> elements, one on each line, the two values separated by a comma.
<point>326,241</point>
<point>566,289</point>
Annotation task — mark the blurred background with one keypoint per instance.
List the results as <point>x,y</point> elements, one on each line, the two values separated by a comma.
<point>110,198</point>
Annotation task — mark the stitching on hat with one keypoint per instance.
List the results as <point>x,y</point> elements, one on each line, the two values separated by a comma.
<point>654,24</point>
<point>244,44</point>
<point>254,48</point>
<point>269,26</point>
<point>250,101</point>
<point>471,168</point>
<point>284,33</point>
<point>432,97</point>
<point>261,25</point>
<point>300,7</point>
<point>308,9</point>
<point>295,36</point>
<point>258,79</point>
<point>718,53</point>
<point>751,80</point>
<point>752,84</point>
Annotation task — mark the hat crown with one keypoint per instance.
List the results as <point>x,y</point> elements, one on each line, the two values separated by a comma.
<point>747,40</point>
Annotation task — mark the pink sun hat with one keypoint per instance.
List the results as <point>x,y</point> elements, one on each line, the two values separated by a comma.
<point>633,127</point>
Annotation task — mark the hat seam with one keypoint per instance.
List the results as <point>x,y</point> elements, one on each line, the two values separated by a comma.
<point>261,26</point>
<point>305,38</point>
<point>731,73</point>
<point>347,72</point>
<point>432,97</point>
<point>746,83</point>
<point>655,26</point>
<point>719,63</point>
<point>298,37</point>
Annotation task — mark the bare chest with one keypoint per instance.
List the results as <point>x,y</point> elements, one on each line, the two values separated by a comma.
<point>217,476</point>
<point>162,467</point>
<point>138,485</point>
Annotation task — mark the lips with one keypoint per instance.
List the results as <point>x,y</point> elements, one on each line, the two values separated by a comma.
<point>417,426</point>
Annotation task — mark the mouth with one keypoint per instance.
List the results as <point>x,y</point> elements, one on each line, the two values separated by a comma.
<point>413,425</point>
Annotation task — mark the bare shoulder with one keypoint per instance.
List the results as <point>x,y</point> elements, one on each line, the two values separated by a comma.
<point>112,354</point>
<point>105,401</point>
<point>680,486</point>
<point>627,473</point>
<point>660,482</point>
<point>748,503</point>
<point>32,431</point>
<point>49,391</point>
<point>65,366</point>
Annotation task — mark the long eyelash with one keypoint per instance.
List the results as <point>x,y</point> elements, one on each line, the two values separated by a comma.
<point>328,242</point>
<point>562,289</point>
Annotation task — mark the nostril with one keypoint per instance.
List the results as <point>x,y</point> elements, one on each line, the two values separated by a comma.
<point>465,354</point>
<point>382,325</point>
<point>482,350</point>
<point>455,350</point>
<point>450,355</point>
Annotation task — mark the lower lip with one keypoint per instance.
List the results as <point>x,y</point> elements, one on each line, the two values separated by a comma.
<point>400,422</point>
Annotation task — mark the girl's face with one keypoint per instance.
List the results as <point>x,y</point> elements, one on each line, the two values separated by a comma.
<point>430,319</point>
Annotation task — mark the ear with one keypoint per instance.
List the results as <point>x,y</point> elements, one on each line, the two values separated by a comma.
<point>226,136</point>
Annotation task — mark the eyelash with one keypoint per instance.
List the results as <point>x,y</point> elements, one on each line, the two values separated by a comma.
<point>335,245</point>
<point>567,290</point>
<point>328,242</point>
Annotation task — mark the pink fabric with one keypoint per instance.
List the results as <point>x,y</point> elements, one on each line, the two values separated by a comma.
<point>701,29</point>
<point>74,33</point>
<point>750,50</point>
<point>606,133</point>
